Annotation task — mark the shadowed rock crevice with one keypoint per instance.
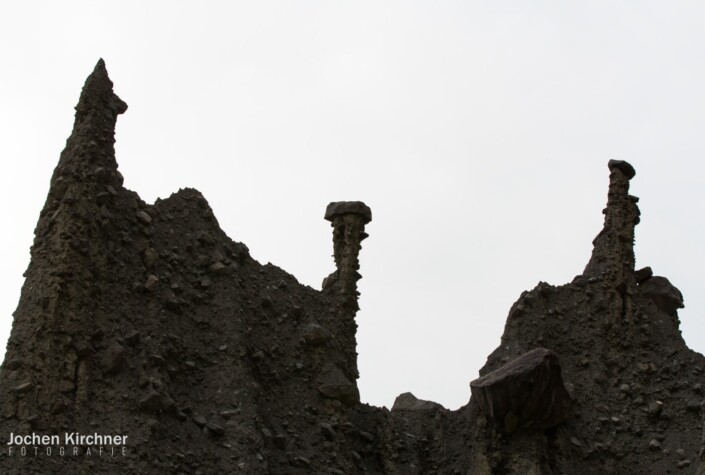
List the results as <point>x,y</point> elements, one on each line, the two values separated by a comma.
<point>148,321</point>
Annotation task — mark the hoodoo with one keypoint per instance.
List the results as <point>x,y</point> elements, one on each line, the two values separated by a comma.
<point>148,325</point>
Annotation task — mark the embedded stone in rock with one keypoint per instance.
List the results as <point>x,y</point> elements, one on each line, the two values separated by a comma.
<point>215,429</point>
<point>642,275</point>
<point>23,388</point>
<point>144,217</point>
<point>149,257</point>
<point>339,208</point>
<point>199,420</point>
<point>409,402</point>
<point>327,431</point>
<point>151,282</point>
<point>114,358</point>
<point>219,268</point>
<point>664,294</point>
<point>654,408</point>
<point>335,385</point>
<point>329,281</point>
<point>623,167</point>
<point>316,335</point>
<point>526,393</point>
<point>152,402</point>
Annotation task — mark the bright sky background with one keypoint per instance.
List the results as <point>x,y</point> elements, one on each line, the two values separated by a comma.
<point>478,133</point>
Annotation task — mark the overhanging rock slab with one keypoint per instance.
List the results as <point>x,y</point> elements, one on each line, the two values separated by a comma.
<point>526,393</point>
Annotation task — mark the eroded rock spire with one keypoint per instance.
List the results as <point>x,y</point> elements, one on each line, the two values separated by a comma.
<point>72,247</point>
<point>612,259</point>
<point>613,253</point>
<point>98,96</point>
<point>348,219</point>
<point>90,145</point>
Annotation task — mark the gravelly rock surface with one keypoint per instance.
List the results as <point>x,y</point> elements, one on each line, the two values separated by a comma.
<point>148,321</point>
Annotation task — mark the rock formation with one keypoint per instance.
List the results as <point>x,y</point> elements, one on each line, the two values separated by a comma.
<point>525,394</point>
<point>147,321</point>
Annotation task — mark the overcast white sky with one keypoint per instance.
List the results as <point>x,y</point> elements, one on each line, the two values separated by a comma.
<point>478,133</point>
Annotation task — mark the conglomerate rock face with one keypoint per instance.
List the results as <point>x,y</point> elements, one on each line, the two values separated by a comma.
<point>147,321</point>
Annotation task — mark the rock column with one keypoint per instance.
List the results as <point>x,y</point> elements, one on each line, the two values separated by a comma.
<point>348,219</point>
<point>612,260</point>
<point>613,254</point>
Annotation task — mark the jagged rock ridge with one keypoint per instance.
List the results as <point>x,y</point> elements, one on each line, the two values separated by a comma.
<point>148,321</point>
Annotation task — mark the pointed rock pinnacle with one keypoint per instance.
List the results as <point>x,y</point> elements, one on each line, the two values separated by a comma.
<point>90,146</point>
<point>98,95</point>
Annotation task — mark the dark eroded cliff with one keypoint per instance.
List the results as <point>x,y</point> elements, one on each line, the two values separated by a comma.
<point>148,321</point>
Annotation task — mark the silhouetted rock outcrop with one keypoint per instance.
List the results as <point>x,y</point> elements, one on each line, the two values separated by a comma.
<point>526,393</point>
<point>148,322</point>
<point>409,402</point>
